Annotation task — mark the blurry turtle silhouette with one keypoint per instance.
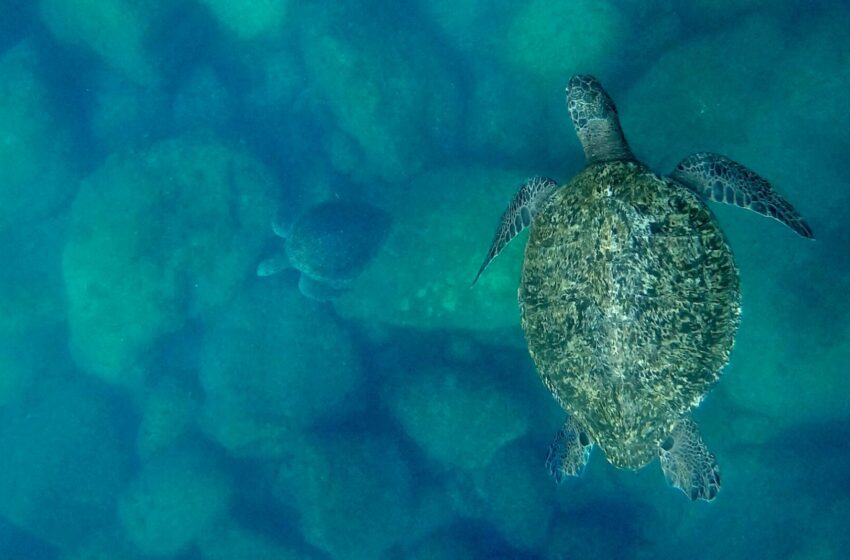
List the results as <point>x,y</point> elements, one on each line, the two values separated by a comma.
<point>330,244</point>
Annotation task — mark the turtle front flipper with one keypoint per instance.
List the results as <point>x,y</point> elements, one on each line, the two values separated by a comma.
<point>595,119</point>
<point>688,464</point>
<point>569,452</point>
<point>527,201</point>
<point>718,178</point>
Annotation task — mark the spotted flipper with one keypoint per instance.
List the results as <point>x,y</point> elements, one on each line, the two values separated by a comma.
<point>718,178</point>
<point>569,452</point>
<point>518,216</point>
<point>688,464</point>
<point>595,119</point>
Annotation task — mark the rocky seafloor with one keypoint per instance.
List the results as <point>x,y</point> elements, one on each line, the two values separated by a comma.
<point>158,399</point>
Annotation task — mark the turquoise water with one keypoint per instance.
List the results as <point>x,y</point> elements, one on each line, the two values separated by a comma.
<point>158,399</point>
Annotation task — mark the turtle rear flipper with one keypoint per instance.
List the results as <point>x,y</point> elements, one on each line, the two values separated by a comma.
<point>319,290</point>
<point>273,264</point>
<point>569,452</point>
<point>718,178</point>
<point>688,464</point>
<point>518,216</point>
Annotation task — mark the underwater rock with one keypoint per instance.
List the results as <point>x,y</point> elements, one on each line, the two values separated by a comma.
<point>108,543</point>
<point>401,105</point>
<point>202,102</point>
<point>704,13</point>
<point>276,84</point>
<point>33,146</point>
<point>600,525</point>
<point>354,492</point>
<point>475,27</point>
<point>175,497</point>
<point>125,115</point>
<point>514,493</point>
<point>709,114</point>
<point>462,541</point>
<point>15,373</point>
<point>503,122</point>
<point>227,540</point>
<point>272,363</point>
<point>31,292</point>
<point>549,41</point>
<point>422,276</point>
<point>115,30</point>
<point>36,187</point>
<point>459,418</point>
<point>249,19</point>
<point>168,413</point>
<point>158,237</point>
<point>26,358</point>
<point>65,460</point>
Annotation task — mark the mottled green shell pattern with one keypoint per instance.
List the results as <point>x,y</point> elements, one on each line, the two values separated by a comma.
<point>630,301</point>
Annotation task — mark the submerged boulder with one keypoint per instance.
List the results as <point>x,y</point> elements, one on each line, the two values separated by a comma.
<point>158,237</point>
<point>65,462</point>
<point>421,278</point>
<point>272,363</point>
<point>34,148</point>
<point>175,497</point>
<point>459,418</point>
<point>400,105</point>
<point>354,492</point>
<point>249,19</point>
<point>114,30</point>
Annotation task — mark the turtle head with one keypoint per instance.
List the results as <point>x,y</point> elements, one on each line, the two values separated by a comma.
<point>586,99</point>
<point>594,116</point>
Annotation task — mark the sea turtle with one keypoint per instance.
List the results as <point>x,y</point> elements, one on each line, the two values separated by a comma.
<point>330,244</point>
<point>629,295</point>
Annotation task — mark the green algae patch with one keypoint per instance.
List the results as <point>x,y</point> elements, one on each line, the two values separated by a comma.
<point>158,237</point>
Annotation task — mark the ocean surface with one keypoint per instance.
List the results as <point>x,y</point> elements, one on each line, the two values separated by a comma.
<point>359,400</point>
